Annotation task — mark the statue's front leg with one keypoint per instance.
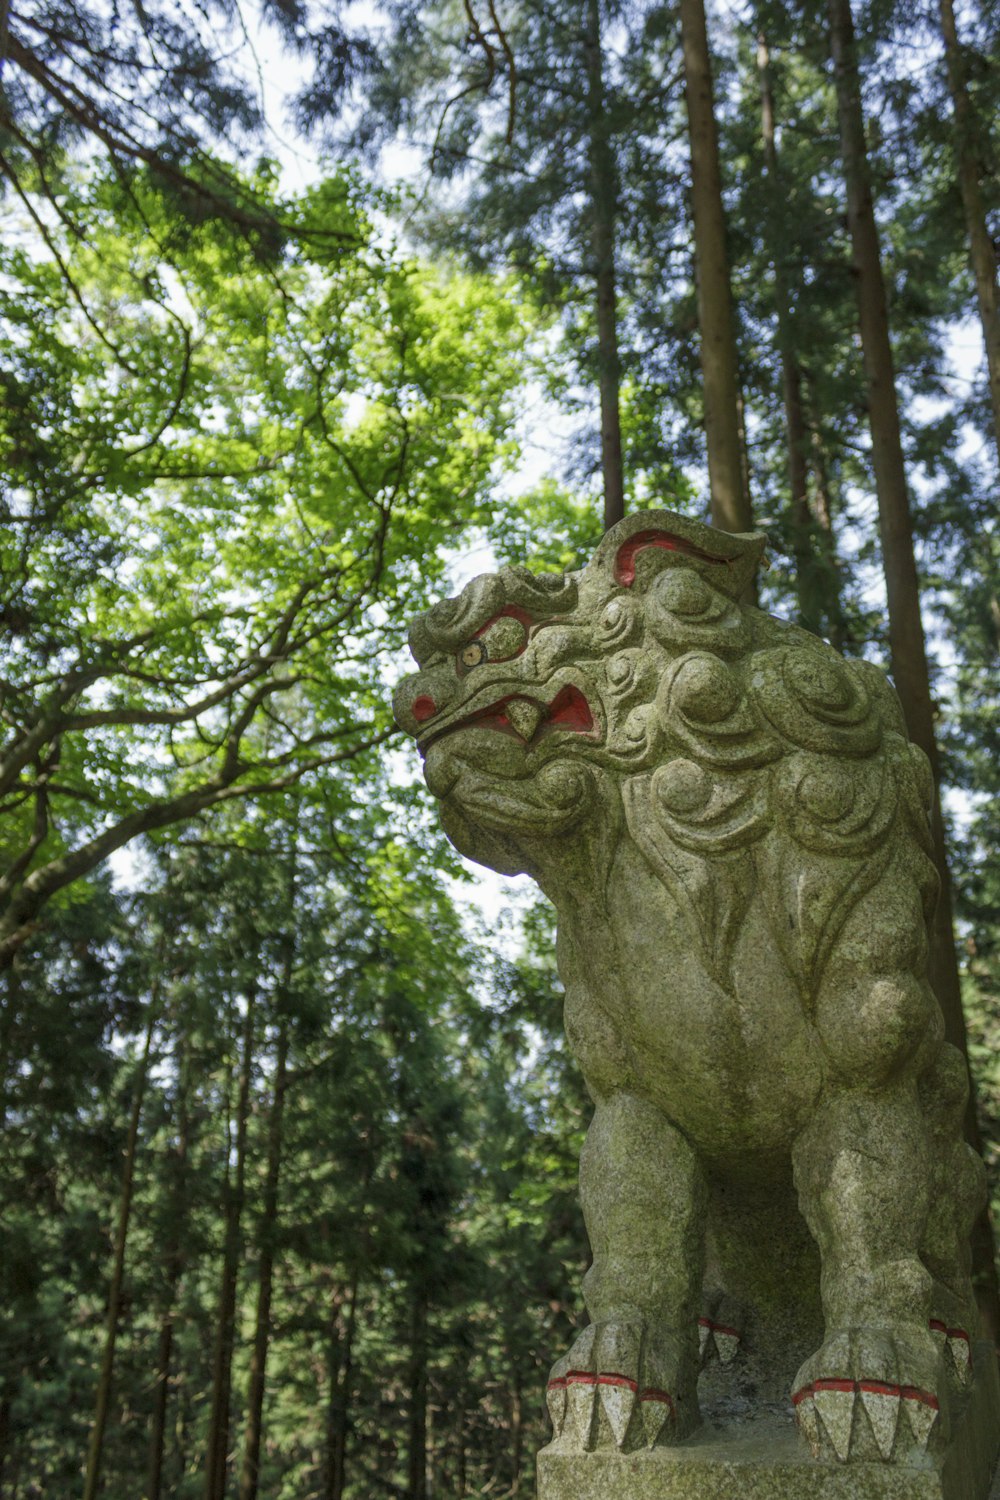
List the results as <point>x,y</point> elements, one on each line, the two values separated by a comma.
<point>629,1380</point>
<point>874,1389</point>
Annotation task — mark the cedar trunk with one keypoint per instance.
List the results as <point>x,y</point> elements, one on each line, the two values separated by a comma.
<point>416,1488</point>
<point>906,634</point>
<point>217,1456</point>
<point>249,1475</point>
<point>730,496</point>
<point>796,436</point>
<point>95,1451</point>
<point>604,209</point>
<point>341,1367</point>
<point>839,633</point>
<point>174,1264</point>
<point>981,251</point>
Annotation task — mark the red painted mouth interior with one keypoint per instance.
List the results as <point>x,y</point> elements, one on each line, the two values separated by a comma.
<point>629,551</point>
<point>569,709</point>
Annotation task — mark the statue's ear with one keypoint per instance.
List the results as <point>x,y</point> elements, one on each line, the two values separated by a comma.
<point>643,544</point>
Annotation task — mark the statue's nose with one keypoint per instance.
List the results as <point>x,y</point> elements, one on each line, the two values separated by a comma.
<point>418,699</point>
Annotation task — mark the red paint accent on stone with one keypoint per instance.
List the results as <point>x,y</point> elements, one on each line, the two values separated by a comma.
<point>629,551</point>
<point>663,1397</point>
<point>913,1393</point>
<point>623,1380</point>
<point>878,1387</point>
<point>705,1323</point>
<point>423,708</point>
<point>724,1328</point>
<point>559,1384</point>
<point>569,709</point>
<point>957,1333</point>
<point>490,718</point>
<point>511,612</point>
<point>581,1377</point>
<point>937,1326</point>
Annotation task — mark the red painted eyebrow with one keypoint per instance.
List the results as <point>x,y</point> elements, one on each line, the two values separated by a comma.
<point>628,552</point>
<point>510,612</point>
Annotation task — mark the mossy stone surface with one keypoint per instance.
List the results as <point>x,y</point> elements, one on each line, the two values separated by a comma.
<point>734,831</point>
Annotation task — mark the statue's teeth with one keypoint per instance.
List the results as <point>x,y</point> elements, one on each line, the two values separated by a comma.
<point>524,715</point>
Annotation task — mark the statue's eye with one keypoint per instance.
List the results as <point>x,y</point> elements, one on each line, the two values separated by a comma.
<point>500,640</point>
<point>472,654</point>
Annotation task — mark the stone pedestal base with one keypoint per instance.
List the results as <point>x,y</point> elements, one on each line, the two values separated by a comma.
<point>762,1458</point>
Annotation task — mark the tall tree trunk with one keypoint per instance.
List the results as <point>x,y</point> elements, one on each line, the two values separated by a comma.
<point>796,435</point>
<point>516,1436</point>
<point>730,496</point>
<point>604,211</point>
<point>9,1012</point>
<point>817,573</point>
<point>5,1405</point>
<point>174,1265</point>
<point>341,1366</point>
<point>416,1485</point>
<point>217,1455</point>
<point>250,1469</point>
<point>968,166</point>
<point>462,1461</point>
<point>906,634</point>
<point>95,1451</point>
<point>837,627</point>
<point>262,1331</point>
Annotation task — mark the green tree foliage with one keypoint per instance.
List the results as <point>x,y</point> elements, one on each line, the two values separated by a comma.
<point>162,85</point>
<point>228,480</point>
<point>543,129</point>
<point>419,1276</point>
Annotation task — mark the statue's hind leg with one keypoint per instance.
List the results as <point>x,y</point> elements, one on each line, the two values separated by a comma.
<point>630,1379</point>
<point>873,1389</point>
<point>958,1193</point>
<point>867,1167</point>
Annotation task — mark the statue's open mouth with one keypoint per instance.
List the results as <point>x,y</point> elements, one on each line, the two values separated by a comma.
<point>526,718</point>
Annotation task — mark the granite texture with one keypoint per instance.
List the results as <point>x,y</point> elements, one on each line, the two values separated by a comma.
<point>733,829</point>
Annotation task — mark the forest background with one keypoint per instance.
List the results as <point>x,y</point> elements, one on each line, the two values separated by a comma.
<point>289,1132</point>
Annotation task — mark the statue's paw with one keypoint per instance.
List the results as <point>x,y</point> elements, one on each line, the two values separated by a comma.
<point>620,1387</point>
<point>871,1393</point>
<point>720,1327</point>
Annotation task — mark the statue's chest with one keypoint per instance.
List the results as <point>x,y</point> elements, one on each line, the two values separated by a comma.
<point>733,1062</point>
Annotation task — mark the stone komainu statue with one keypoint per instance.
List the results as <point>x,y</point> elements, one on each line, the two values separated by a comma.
<point>733,829</point>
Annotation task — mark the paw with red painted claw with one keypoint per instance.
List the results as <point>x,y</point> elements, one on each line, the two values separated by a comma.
<point>621,1386</point>
<point>720,1328</point>
<point>872,1394</point>
<point>950,1332</point>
